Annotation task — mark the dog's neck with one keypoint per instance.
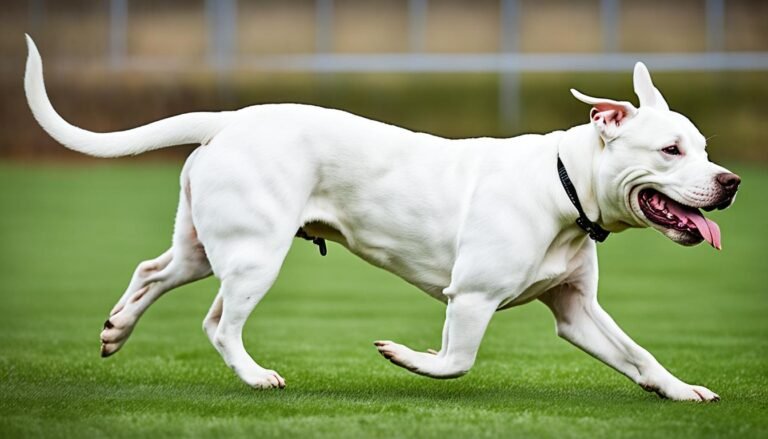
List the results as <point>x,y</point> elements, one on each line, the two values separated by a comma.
<point>579,149</point>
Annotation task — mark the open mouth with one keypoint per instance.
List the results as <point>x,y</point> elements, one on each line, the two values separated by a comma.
<point>666,212</point>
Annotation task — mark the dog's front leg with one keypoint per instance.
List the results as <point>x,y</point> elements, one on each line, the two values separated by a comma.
<point>466,319</point>
<point>583,322</point>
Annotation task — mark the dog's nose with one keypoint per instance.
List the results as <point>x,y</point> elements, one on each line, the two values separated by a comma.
<point>729,181</point>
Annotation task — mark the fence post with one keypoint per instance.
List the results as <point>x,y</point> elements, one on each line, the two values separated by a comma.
<point>417,23</point>
<point>509,81</point>
<point>715,12</point>
<point>609,22</point>
<point>35,15</point>
<point>118,33</point>
<point>222,30</point>
<point>324,26</point>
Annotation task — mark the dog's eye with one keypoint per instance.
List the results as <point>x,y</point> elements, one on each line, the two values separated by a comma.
<point>671,150</point>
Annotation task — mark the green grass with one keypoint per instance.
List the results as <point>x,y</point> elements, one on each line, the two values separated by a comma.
<point>71,236</point>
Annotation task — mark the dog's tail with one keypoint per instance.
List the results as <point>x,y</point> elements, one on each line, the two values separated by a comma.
<point>176,130</point>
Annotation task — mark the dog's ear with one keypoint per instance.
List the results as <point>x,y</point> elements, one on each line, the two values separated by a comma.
<point>606,114</point>
<point>648,94</point>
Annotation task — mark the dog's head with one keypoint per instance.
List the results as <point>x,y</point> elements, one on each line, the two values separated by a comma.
<point>653,169</point>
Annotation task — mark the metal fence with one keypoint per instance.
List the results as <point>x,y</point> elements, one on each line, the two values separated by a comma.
<point>222,21</point>
<point>508,62</point>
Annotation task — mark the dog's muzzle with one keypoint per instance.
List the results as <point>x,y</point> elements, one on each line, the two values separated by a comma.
<point>729,185</point>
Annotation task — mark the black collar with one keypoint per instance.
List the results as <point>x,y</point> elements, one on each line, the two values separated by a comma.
<point>593,229</point>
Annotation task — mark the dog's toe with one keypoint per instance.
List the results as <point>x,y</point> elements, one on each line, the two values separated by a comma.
<point>107,349</point>
<point>686,392</point>
<point>400,355</point>
<point>705,394</point>
<point>394,352</point>
<point>266,379</point>
<point>386,348</point>
<point>115,335</point>
<point>116,331</point>
<point>112,339</point>
<point>279,381</point>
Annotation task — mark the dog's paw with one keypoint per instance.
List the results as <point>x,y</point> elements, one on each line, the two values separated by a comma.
<point>695,393</point>
<point>685,392</point>
<point>396,353</point>
<point>113,336</point>
<point>264,379</point>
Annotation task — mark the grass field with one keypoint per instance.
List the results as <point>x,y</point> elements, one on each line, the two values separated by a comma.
<point>71,236</point>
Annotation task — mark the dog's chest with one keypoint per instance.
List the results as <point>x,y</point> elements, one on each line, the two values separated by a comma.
<point>559,263</point>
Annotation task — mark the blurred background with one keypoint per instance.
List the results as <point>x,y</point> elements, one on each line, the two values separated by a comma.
<point>450,67</point>
<point>73,228</point>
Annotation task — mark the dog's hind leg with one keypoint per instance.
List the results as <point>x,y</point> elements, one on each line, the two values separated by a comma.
<point>183,263</point>
<point>466,319</point>
<point>212,319</point>
<point>142,272</point>
<point>248,277</point>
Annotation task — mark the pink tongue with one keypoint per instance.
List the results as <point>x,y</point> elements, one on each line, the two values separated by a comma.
<point>709,229</point>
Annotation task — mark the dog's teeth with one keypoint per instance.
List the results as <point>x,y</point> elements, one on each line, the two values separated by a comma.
<point>670,216</point>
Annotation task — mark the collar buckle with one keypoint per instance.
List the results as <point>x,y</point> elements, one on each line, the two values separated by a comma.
<point>594,231</point>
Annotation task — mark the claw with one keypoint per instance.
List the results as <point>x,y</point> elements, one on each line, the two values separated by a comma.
<point>104,352</point>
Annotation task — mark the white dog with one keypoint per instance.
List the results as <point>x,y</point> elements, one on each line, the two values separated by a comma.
<point>481,224</point>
